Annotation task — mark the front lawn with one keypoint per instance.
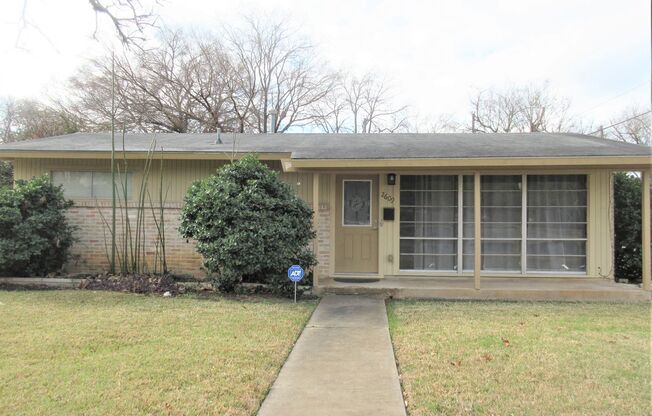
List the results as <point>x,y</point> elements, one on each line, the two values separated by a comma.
<point>104,353</point>
<point>501,358</point>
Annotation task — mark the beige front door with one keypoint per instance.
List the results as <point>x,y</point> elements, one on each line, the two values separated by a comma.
<point>356,224</point>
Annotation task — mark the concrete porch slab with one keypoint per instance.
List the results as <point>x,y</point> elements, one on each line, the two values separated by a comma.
<point>493,288</point>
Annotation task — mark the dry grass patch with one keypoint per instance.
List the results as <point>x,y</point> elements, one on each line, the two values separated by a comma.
<point>101,353</point>
<point>501,358</point>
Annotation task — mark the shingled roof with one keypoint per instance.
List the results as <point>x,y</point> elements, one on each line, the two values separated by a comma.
<point>343,146</point>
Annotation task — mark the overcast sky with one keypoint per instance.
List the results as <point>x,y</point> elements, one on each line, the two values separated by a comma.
<point>437,53</point>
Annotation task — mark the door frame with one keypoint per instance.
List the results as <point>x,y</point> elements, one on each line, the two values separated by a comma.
<point>339,183</point>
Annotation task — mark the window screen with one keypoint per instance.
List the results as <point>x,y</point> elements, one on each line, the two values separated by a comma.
<point>556,223</point>
<point>428,236</point>
<point>501,222</point>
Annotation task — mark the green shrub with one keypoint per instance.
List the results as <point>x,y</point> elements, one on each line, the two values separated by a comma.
<point>248,225</point>
<point>35,237</point>
<point>627,226</point>
<point>6,173</point>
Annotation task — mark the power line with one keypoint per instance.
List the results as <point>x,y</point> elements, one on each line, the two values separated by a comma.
<point>590,109</point>
<point>620,122</point>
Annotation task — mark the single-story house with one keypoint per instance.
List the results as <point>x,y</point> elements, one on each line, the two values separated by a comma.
<point>387,206</point>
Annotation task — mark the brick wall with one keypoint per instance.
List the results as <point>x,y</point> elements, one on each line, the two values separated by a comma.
<point>92,250</point>
<point>90,254</point>
<point>324,240</point>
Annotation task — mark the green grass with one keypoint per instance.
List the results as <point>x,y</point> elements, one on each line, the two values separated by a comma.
<point>501,358</point>
<point>103,353</point>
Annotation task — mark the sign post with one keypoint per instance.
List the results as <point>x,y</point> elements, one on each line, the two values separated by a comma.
<point>295,274</point>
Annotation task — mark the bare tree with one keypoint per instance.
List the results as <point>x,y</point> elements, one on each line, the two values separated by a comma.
<point>210,82</point>
<point>443,123</point>
<point>130,18</point>
<point>23,119</point>
<point>634,125</point>
<point>277,71</point>
<point>331,114</point>
<point>28,119</point>
<point>360,105</point>
<point>156,89</point>
<point>201,84</point>
<point>521,109</point>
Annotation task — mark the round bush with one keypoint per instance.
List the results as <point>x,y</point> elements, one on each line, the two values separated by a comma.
<point>35,237</point>
<point>248,224</point>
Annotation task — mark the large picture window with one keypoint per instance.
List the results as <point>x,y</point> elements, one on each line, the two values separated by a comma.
<point>556,223</point>
<point>89,184</point>
<point>533,223</point>
<point>429,213</point>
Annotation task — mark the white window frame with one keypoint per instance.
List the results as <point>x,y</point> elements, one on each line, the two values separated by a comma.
<point>524,238</point>
<point>458,239</point>
<point>585,239</point>
<point>371,202</point>
<point>119,178</point>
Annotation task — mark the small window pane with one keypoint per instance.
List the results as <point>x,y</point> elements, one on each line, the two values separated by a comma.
<point>428,246</point>
<point>357,203</point>
<point>428,262</point>
<point>440,229</point>
<point>102,185</point>
<point>75,184</point>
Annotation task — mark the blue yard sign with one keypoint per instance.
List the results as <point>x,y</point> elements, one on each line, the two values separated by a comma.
<point>295,273</point>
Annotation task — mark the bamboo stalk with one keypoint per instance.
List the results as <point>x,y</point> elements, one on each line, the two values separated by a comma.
<point>113,196</point>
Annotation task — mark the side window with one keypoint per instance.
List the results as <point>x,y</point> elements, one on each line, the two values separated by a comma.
<point>88,185</point>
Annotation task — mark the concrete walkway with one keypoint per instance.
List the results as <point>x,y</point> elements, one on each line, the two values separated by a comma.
<point>342,364</point>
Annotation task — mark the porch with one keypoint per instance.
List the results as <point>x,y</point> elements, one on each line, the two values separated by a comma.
<point>494,288</point>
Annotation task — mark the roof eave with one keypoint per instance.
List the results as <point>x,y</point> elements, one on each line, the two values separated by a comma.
<point>175,155</point>
<point>616,162</point>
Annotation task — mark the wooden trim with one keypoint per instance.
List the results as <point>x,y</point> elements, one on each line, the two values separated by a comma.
<point>477,237</point>
<point>315,224</point>
<point>58,154</point>
<point>645,213</point>
<point>524,221</point>
<point>562,161</point>
<point>290,164</point>
<point>460,224</point>
<point>333,217</point>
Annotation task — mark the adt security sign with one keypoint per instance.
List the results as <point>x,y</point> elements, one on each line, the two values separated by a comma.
<point>295,273</point>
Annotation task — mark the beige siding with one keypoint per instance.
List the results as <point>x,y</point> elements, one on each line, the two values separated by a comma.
<point>178,174</point>
<point>600,227</point>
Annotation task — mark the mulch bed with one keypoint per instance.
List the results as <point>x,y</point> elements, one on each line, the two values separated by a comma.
<point>134,283</point>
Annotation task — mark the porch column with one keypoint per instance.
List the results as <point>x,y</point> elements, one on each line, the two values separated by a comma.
<point>645,232</point>
<point>477,242</point>
<point>315,223</point>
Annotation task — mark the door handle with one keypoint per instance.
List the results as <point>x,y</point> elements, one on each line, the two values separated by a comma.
<point>374,225</point>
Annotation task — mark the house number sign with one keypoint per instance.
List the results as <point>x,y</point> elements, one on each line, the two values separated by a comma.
<point>387,197</point>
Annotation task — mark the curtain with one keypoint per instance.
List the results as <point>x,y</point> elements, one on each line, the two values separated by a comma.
<point>501,219</point>
<point>428,229</point>
<point>556,223</point>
